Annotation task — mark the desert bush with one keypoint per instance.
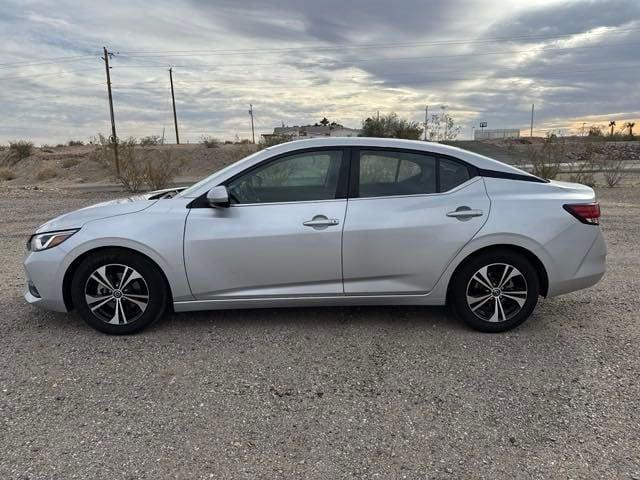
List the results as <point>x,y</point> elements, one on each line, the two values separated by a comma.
<point>271,140</point>
<point>70,162</point>
<point>6,174</point>
<point>583,171</point>
<point>150,141</point>
<point>46,173</point>
<point>391,126</point>
<point>60,145</point>
<point>132,170</point>
<point>19,150</point>
<point>546,160</point>
<point>161,169</point>
<point>75,143</point>
<point>613,170</point>
<point>209,141</point>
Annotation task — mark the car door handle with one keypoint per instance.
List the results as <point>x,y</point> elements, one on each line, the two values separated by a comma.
<point>321,221</point>
<point>464,213</point>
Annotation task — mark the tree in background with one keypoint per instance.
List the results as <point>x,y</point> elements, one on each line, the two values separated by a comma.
<point>442,127</point>
<point>629,126</point>
<point>391,126</point>
<point>595,131</point>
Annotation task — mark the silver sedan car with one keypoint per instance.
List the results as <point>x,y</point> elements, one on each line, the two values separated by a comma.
<point>334,221</point>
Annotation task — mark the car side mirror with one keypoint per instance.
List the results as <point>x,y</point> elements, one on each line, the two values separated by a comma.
<point>218,197</point>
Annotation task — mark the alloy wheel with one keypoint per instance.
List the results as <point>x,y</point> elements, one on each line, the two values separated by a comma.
<point>496,292</point>
<point>116,294</point>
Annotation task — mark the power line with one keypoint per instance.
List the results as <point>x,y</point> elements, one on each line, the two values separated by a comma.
<point>370,45</point>
<point>354,62</point>
<point>27,63</point>
<point>511,75</point>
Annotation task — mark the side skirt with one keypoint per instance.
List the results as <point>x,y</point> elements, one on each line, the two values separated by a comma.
<point>329,301</point>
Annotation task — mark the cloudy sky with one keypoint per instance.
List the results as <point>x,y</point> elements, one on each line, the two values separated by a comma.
<point>297,61</point>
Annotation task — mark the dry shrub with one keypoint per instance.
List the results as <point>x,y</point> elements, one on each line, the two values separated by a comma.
<point>132,173</point>
<point>150,141</point>
<point>46,173</point>
<point>613,170</point>
<point>271,140</point>
<point>546,160</point>
<point>209,141</point>
<point>6,174</point>
<point>135,172</point>
<point>132,169</point>
<point>19,150</point>
<point>584,171</point>
<point>70,162</point>
<point>75,143</point>
<point>162,168</point>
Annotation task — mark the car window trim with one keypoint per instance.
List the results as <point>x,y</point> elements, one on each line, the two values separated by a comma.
<point>354,184</point>
<point>341,187</point>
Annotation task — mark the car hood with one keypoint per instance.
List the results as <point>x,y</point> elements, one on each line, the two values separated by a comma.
<point>111,208</point>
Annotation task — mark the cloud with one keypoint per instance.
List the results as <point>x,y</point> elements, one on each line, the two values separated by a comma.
<point>297,62</point>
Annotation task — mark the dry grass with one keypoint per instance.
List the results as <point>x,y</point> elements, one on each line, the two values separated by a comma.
<point>6,174</point>
<point>70,162</point>
<point>46,173</point>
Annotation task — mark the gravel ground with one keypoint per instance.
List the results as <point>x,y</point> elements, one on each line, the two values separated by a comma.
<point>323,393</point>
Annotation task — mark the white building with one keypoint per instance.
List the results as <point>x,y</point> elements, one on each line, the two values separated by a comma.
<point>313,131</point>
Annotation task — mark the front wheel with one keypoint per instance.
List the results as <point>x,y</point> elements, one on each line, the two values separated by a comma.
<point>495,292</point>
<point>119,292</point>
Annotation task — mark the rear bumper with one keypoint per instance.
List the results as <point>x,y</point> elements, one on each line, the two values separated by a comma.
<point>589,272</point>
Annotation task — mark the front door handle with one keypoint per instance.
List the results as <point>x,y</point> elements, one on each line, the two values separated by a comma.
<point>464,213</point>
<point>320,221</point>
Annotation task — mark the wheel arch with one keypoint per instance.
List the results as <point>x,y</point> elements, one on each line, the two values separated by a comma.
<point>543,276</point>
<point>73,266</point>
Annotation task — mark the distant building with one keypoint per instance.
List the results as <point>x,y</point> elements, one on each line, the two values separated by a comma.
<point>313,131</point>
<point>491,134</point>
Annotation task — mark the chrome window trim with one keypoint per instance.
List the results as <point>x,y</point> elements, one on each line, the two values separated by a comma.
<point>328,200</point>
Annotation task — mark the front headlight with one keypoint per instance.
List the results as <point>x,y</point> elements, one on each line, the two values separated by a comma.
<point>43,241</point>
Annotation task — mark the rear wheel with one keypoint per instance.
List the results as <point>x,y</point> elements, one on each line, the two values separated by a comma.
<point>119,292</point>
<point>495,292</point>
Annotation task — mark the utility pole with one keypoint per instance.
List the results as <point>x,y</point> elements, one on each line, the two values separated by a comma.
<point>173,100</point>
<point>114,137</point>
<point>253,134</point>
<point>426,121</point>
<point>531,131</point>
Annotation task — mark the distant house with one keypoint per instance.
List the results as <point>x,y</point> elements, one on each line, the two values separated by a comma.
<point>313,131</point>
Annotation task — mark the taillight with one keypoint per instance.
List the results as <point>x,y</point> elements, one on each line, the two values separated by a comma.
<point>588,213</point>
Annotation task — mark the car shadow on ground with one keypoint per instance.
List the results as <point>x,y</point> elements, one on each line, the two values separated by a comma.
<point>370,317</point>
<point>313,317</point>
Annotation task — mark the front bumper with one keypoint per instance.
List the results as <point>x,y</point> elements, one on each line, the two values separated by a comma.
<point>45,272</point>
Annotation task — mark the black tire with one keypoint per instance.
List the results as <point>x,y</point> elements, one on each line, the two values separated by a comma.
<point>152,285</point>
<point>503,310</point>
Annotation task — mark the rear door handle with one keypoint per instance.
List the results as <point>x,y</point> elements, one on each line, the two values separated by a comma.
<point>320,221</point>
<point>463,213</point>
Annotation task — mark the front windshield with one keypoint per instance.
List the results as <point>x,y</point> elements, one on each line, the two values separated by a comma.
<point>188,192</point>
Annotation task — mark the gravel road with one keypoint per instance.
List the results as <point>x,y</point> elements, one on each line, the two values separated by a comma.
<point>323,393</point>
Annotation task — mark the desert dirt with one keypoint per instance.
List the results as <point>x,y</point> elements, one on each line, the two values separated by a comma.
<point>396,392</point>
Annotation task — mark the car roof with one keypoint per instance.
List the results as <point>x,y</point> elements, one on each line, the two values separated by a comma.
<point>479,161</point>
